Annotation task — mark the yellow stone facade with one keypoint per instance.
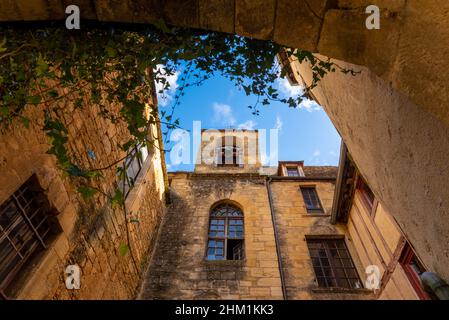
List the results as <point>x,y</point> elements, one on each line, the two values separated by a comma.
<point>91,231</point>
<point>277,224</point>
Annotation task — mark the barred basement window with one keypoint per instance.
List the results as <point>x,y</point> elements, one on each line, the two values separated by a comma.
<point>225,233</point>
<point>313,204</point>
<point>332,264</point>
<point>26,225</point>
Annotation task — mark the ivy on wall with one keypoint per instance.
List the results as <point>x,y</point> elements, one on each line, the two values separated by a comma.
<point>117,66</point>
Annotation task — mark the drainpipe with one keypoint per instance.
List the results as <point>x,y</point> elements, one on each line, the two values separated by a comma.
<point>433,284</point>
<point>276,238</point>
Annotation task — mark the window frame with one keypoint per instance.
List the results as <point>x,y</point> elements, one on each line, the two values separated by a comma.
<point>291,167</point>
<point>364,190</point>
<point>32,212</point>
<point>131,159</point>
<point>316,210</point>
<point>221,154</point>
<point>225,238</point>
<point>407,256</point>
<point>332,265</point>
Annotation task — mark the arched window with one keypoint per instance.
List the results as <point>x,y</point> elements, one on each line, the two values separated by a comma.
<point>225,233</point>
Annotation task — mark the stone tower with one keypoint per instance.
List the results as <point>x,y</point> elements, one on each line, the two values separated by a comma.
<point>228,151</point>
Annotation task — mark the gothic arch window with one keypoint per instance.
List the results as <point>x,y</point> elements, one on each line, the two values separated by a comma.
<point>226,233</point>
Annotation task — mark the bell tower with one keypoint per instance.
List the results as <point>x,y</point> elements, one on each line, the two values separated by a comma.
<point>228,150</point>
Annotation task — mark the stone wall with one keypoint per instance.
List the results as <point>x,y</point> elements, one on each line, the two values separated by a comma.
<point>294,223</point>
<point>179,269</point>
<point>401,52</point>
<point>92,232</point>
<point>399,149</point>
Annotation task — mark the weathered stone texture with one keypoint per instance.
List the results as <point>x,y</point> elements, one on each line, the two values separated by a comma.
<point>212,18</point>
<point>294,224</point>
<point>255,18</point>
<point>400,52</point>
<point>400,150</point>
<point>304,16</point>
<point>179,270</point>
<point>92,231</point>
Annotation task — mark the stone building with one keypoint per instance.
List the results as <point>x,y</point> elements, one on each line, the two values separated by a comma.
<point>237,230</point>
<point>45,225</point>
<point>376,236</point>
<point>393,116</point>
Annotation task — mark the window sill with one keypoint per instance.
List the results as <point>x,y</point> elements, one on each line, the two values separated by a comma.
<point>342,290</point>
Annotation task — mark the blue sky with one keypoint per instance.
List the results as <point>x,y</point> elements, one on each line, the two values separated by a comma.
<point>305,133</point>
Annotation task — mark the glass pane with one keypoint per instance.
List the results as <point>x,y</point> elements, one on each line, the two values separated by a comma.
<point>322,282</point>
<point>325,262</point>
<point>343,253</point>
<point>144,153</point>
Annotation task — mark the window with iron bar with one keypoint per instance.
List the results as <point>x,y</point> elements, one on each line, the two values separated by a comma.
<point>333,264</point>
<point>26,223</point>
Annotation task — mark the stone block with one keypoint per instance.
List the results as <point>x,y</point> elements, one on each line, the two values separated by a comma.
<point>211,15</point>
<point>255,18</point>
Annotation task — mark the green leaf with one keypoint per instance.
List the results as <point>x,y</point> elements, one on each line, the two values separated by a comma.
<point>25,121</point>
<point>160,24</point>
<point>111,52</point>
<point>34,99</point>
<point>86,192</point>
<point>53,93</point>
<point>41,66</point>
<point>4,111</point>
<point>117,199</point>
<point>2,48</point>
<point>123,249</point>
<point>93,174</point>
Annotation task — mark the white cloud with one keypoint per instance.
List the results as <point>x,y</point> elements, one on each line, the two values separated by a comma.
<point>333,153</point>
<point>248,125</point>
<point>166,97</point>
<point>287,89</point>
<point>223,114</point>
<point>310,105</point>
<point>316,153</point>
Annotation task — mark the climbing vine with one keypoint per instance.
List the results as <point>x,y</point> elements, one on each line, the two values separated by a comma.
<point>109,65</point>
